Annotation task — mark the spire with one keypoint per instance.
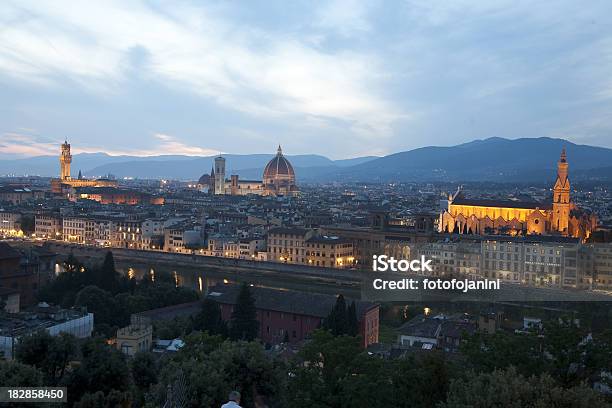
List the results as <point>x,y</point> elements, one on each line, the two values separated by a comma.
<point>279,151</point>
<point>212,171</point>
<point>563,156</point>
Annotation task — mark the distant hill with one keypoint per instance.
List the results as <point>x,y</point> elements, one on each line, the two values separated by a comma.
<point>166,166</point>
<point>493,159</point>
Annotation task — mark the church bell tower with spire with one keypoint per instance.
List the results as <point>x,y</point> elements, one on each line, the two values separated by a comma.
<point>561,197</point>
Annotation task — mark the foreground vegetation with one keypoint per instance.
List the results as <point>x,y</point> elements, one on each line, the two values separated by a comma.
<point>554,367</point>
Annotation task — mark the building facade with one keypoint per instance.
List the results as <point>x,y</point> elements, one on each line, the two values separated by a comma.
<point>602,263</point>
<point>278,179</point>
<point>48,226</point>
<point>290,316</point>
<point>10,223</point>
<point>560,216</point>
<point>65,183</point>
<point>137,337</point>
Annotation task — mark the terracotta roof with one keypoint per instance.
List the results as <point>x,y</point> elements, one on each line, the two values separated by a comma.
<point>501,203</point>
<point>288,301</point>
<point>278,166</point>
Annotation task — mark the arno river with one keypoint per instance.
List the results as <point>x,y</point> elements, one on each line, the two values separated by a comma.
<point>203,278</point>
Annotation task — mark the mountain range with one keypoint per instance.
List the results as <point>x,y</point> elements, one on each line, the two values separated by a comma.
<point>493,159</point>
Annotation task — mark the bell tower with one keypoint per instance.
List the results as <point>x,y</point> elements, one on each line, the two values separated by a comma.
<point>65,160</point>
<point>219,175</point>
<point>561,197</point>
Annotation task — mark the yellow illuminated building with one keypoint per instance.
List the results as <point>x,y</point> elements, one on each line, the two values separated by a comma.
<point>561,216</point>
<point>66,182</point>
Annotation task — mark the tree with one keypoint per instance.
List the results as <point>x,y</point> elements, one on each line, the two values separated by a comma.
<point>337,321</point>
<point>32,350</point>
<point>423,380</point>
<point>353,324</point>
<point>329,368</point>
<point>103,305</point>
<point>113,399</point>
<point>563,342</point>
<point>598,356</point>
<point>63,289</point>
<point>71,264</point>
<point>144,370</point>
<point>508,388</point>
<point>244,324</point>
<point>27,224</point>
<point>17,374</point>
<point>486,353</point>
<point>209,319</point>
<point>107,276</point>
<point>102,368</point>
<point>211,368</point>
<point>50,354</point>
<point>62,350</point>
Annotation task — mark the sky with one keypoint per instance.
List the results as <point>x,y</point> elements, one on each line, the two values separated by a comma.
<point>341,78</point>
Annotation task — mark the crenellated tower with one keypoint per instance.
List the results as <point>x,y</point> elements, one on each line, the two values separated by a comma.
<point>561,197</point>
<point>65,160</point>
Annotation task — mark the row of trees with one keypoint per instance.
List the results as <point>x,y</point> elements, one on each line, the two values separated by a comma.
<point>335,372</point>
<point>112,298</point>
<point>330,371</point>
<point>102,377</point>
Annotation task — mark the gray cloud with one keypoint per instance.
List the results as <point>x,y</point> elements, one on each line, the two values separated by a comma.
<point>342,79</point>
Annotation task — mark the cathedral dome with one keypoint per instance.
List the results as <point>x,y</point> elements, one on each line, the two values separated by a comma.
<point>204,180</point>
<point>279,168</point>
<point>278,176</point>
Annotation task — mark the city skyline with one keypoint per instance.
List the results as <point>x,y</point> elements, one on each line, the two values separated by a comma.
<point>147,79</point>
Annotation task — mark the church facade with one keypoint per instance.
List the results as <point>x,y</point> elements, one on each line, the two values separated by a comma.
<point>278,179</point>
<point>559,217</point>
<point>65,183</point>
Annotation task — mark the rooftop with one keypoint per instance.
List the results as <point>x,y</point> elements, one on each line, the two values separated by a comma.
<point>37,318</point>
<point>532,205</point>
<point>288,301</point>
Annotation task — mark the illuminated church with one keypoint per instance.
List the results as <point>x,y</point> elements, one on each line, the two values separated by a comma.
<point>65,183</point>
<point>561,216</point>
<point>278,179</point>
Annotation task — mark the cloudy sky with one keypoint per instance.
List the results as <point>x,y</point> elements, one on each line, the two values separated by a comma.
<point>339,78</point>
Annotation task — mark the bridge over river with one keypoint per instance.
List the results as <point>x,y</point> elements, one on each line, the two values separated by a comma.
<point>200,272</point>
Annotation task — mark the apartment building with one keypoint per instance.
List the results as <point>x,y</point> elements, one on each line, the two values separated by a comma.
<point>602,264</point>
<point>127,234</point>
<point>331,252</point>
<point>249,248</point>
<point>538,261</point>
<point>10,223</point>
<point>80,230</point>
<point>287,244</point>
<point>48,226</point>
<point>184,238</point>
